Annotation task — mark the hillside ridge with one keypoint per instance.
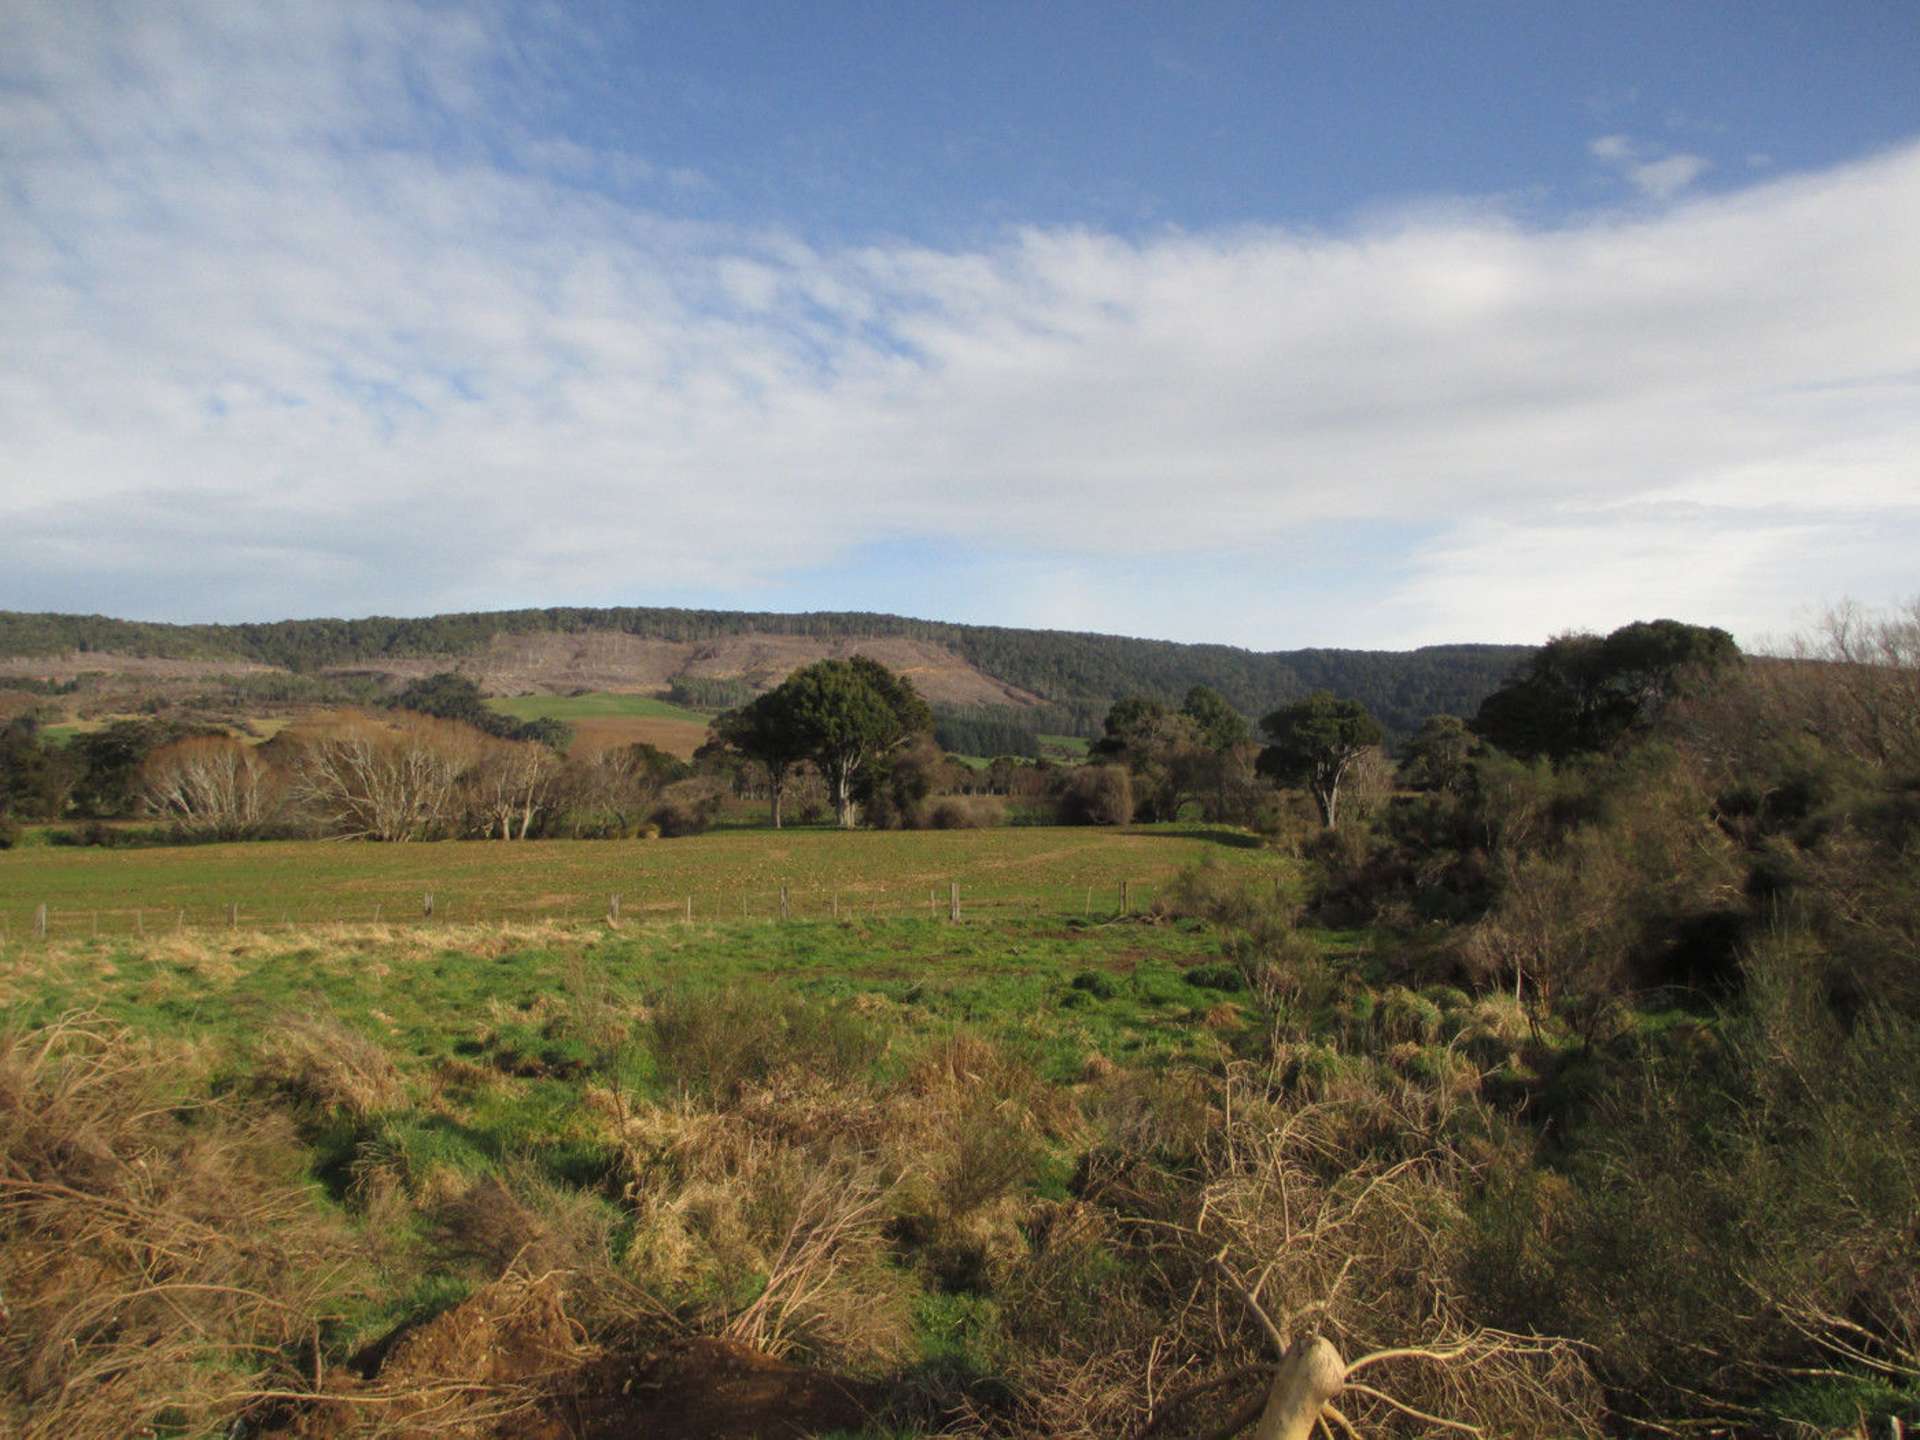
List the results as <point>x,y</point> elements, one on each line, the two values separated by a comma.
<point>1066,678</point>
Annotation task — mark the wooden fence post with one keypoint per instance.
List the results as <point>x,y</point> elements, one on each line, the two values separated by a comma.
<point>233,916</point>
<point>426,906</point>
<point>613,910</point>
<point>40,921</point>
<point>139,923</point>
<point>783,902</point>
<point>689,909</point>
<point>953,901</point>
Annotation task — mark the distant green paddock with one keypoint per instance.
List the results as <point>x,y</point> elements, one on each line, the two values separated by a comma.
<point>592,707</point>
<point>725,875</point>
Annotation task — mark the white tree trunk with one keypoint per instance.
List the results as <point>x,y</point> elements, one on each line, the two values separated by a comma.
<point>1309,1377</point>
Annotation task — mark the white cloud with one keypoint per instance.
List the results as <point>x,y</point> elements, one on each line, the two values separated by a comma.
<point>1656,174</point>
<point>277,345</point>
<point>1668,176</point>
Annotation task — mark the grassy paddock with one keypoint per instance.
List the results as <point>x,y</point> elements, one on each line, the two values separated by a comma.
<point>726,875</point>
<point>596,705</point>
<point>431,995</point>
<point>602,720</point>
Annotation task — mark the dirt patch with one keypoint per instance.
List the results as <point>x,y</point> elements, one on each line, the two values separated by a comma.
<point>705,1389</point>
<point>488,1367</point>
<point>508,1364</point>
<point>511,1332</point>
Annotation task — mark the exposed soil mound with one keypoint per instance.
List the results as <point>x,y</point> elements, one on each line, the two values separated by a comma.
<point>510,1333</point>
<point>705,1389</point>
<point>490,1367</point>
<point>507,1364</point>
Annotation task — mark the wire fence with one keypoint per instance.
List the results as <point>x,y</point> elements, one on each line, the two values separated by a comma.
<point>953,903</point>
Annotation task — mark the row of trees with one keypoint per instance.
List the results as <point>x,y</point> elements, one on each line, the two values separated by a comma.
<point>441,762</point>
<point>397,776</point>
<point>855,723</point>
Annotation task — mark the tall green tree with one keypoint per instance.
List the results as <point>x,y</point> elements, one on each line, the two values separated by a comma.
<point>1220,726</point>
<point>769,731</point>
<point>850,714</point>
<point>1314,742</point>
<point>1160,748</point>
<point>1439,755</point>
<point>1583,693</point>
<point>36,778</point>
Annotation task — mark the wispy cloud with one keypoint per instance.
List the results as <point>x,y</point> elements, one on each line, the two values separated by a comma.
<point>1656,173</point>
<point>310,321</point>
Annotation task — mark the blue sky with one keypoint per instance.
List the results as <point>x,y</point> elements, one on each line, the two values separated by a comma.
<point>1365,324</point>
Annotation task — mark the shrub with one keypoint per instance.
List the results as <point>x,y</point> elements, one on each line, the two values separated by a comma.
<point>1097,795</point>
<point>719,1042</point>
<point>964,812</point>
<point>330,1066</point>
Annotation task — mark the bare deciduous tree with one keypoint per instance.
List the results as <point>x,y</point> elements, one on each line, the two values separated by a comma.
<point>391,780</point>
<point>509,787</point>
<point>211,785</point>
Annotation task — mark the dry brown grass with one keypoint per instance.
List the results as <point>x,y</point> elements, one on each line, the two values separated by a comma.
<point>159,1256</point>
<point>329,1065</point>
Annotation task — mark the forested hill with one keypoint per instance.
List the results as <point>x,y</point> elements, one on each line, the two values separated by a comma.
<point>1079,675</point>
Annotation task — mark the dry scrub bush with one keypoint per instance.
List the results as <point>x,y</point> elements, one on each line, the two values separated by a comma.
<point>159,1257</point>
<point>1339,1217</point>
<point>324,1063</point>
<point>762,1240</point>
<point>715,1043</point>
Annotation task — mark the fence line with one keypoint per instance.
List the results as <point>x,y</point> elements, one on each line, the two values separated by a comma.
<point>953,903</point>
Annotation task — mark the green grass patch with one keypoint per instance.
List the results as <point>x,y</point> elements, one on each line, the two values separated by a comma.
<point>728,875</point>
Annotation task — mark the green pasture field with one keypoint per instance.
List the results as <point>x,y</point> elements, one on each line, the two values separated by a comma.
<point>726,875</point>
<point>593,706</point>
<point>1074,747</point>
<point>1134,990</point>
